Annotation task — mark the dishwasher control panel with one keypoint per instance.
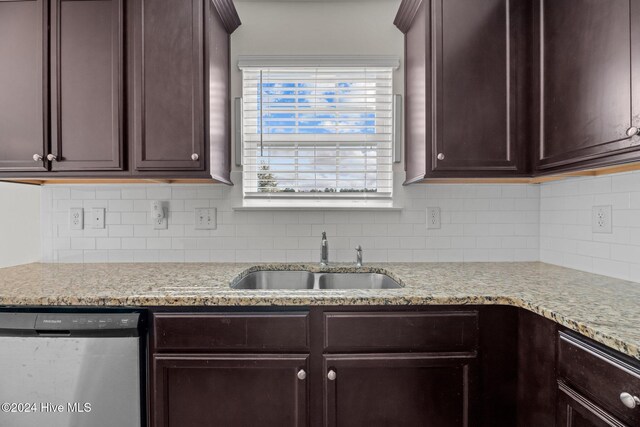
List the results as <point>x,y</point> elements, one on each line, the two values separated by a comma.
<point>105,323</point>
<point>72,321</point>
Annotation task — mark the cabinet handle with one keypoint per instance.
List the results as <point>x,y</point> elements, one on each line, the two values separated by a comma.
<point>633,131</point>
<point>629,401</point>
<point>440,156</point>
<point>52,158</point>
<point>195,157</point>
<point>37,158</point>
<point>302,374</point>
<point>332,375</point>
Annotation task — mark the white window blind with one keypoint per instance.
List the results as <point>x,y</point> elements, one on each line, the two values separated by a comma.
<point>317,132</point>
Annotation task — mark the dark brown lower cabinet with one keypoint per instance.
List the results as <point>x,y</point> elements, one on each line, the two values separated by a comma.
<point>246,390</point>
<point>399,390</point>
<point>575,410</point>
<point>464,366</point>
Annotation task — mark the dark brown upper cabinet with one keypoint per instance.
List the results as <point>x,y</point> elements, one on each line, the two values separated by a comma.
<point>23,85</point>
<point>465,67</point>
<point>179,65</point>
<point>588,82</point>
<point>115,88</point>
<point>86,85</point>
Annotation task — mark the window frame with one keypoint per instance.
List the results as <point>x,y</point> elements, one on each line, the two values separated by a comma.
<point>375,63</point>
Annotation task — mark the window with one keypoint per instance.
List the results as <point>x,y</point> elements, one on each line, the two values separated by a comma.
<point>317,132</point>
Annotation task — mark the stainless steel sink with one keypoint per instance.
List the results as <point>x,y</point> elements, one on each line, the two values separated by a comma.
<point>276,280</point>
<point>356,281</point>
<point>292,280</point>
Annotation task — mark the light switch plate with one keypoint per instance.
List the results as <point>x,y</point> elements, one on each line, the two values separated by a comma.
<point>96,218</point>
<point>601,219</point>
<point>206,218</point>
<point>76,218</point>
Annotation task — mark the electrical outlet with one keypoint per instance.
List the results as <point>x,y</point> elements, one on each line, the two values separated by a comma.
<point>433,218</point>
<point>96,218</point>
<point>161,223</point>
<point>601,219</point>
<point>76,218</point>
<point>206,219</point>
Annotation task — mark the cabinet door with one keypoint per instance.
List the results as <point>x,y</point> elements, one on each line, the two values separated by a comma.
<point>229,390</point>
<point>398,390</point>
<point>576,411</point>
<point>465,85</point>
<point>86,84</point>
<point>168,85</point>
<point>589,81</point>
<point>23,84</point>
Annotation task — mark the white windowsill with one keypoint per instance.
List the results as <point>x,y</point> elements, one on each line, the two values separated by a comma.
<point>317,205</point>
<point>317,208</point>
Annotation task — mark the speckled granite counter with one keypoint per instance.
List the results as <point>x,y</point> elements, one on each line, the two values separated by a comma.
<point>600,307</point>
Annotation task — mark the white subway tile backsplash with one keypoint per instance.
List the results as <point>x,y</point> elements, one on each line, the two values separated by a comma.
<point>475,220</point>
<point>132,193</point>
<point>96,256</point>
<point>70,256</point>
<point>121,230</point>
<point>199,255</point>
<point>134,218</point>
<point>108,194</point>
<point>159,193</point>
<point>566,236</point>
<point>109,243</point>
<point>82,243</point>
<point>134,243</point>
<point>121,206</point>
<point>83,194</point>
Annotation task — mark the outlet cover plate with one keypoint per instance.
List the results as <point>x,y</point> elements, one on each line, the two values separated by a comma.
<point>601,219</point>
<point>433,218</point>
<point>161,223</point>
<point>206,218</point>
<point>96,220</point>
<point>76,218</point>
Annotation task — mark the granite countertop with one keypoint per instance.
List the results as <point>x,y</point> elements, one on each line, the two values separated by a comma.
<point>600,307</point>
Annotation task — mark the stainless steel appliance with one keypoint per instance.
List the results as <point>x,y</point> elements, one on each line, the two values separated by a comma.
<point>70,369</point>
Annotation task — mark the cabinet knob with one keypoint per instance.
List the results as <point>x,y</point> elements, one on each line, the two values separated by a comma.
<point>195,157</point>
<point>52,157</point>
<point>633,131</point>
<point>440,156</point>
<point>302,374</point>
<point>629,401</point>
<point>37,158</point>
<point>332,375</point>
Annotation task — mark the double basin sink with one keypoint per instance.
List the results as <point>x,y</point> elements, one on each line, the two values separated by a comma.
<point>305,280</point>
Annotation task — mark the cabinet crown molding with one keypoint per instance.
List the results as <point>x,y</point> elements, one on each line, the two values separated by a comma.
<point>228,14</point>
<point>406,13</point>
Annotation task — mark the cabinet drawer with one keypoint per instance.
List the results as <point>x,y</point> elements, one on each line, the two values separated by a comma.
<point>599,376</point>
<point>229,332</point>
<point>425,332</point>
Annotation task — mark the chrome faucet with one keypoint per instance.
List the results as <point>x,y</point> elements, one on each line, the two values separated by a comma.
<point>359,256</point>
<point>324,250</point>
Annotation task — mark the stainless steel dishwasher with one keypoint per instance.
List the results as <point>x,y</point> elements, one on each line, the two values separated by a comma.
<point>70,369</point>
